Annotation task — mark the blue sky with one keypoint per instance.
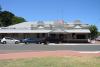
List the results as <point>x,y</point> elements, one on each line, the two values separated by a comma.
<point>88,11</point>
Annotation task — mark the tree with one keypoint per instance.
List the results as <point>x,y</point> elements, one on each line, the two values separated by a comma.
<point>94,31</point>
<point>16,20</point>
<point>6,18</point>
<point>98,33</point>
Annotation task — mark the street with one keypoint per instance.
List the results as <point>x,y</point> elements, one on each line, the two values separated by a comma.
<point>41,47</point>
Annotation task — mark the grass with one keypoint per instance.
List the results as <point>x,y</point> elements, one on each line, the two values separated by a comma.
<point>53,62</point>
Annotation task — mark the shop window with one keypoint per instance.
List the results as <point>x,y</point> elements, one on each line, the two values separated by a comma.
<point>43,34</point>
<point>81,36</point>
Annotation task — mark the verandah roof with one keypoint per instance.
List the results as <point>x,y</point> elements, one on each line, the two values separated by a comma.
<point>45,31</point>
<point>78,31</point>
<point>24,31</point>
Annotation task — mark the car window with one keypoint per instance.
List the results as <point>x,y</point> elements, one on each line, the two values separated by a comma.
<point>28,39</point>
<point>9,38</point>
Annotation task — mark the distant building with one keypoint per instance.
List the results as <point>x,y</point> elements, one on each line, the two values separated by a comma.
<point>69,32</point>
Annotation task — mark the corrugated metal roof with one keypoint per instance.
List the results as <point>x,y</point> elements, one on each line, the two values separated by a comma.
<point>58,31</point>
<point>25,27</point>
<point>44,31</point>
<point>78,31</point>
<point>46,23</point>
<point>24,31</point>
<point>28,24</point>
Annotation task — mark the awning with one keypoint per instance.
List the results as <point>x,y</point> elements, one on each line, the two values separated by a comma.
<point>78,31</point>
<point>44,31</point>
<point>57,31</point>
<point>24,31</point>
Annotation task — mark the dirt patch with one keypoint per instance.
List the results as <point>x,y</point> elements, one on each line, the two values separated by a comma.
<point>45,54</point>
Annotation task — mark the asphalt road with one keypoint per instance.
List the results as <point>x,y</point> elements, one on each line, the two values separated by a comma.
<point>40,47</point>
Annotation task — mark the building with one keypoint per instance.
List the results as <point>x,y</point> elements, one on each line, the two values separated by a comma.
<point>68,32</point>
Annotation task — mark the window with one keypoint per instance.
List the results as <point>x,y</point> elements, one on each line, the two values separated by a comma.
<point>81,36</point>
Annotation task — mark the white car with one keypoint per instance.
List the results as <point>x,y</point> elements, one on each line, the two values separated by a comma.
<point>98,38</point>
<point>9,40</point>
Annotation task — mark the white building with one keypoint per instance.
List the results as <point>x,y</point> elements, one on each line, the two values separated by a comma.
<point>68,32</point>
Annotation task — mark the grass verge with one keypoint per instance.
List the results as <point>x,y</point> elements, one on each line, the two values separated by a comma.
<point>53,62</point>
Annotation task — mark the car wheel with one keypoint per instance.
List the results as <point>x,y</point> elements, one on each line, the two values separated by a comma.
<point>37,42</point>
<point>4,42</point>
<point>26,42</point>
<point>16,42</point>
<point>46,43</point>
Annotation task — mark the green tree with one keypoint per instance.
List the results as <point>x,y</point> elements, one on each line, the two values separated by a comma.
<point>16,20</point>
<point>6,18</point>
<point>94,31</point>
<point>98,33</point>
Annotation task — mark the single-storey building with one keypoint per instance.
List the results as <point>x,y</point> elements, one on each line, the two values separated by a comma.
<point>69,32</point>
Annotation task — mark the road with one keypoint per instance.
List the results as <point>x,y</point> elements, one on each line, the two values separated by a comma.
<point>40,47</point>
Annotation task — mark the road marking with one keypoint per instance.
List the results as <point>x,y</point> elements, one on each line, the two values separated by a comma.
<point>72,44</point>
<point>89,52</point>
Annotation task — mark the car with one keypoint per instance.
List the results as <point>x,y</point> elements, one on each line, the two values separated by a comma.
<point>98,38</point>
<point>32,40</point>
<point>51,40</point>
<point>9,40</point>
<point>0,40</point>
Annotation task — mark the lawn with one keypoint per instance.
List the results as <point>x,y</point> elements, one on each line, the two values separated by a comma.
<point>53,62</point>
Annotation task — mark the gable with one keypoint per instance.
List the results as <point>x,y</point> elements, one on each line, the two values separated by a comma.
<point>77,26</point>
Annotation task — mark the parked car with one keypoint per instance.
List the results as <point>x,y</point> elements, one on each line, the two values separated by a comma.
<point>40,40</point>
<point>52,40</point>
<point>98,38</point>
<point>32,40</point>
<point>0,40</point>
<point>9,40</point>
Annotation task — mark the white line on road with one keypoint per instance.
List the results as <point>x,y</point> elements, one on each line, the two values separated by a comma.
<point>72,44</point>
<point>89,52</point>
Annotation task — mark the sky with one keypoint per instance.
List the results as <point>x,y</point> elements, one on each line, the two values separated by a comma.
<point>87,11</point>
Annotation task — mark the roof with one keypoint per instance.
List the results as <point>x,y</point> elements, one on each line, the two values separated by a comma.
<point>47,24</point>
<point>58,31</point>
<point>28,24</point>
<point>46,27</point>
<point>24,31</point>
<point>44,31</point>
<point>78,31</point>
